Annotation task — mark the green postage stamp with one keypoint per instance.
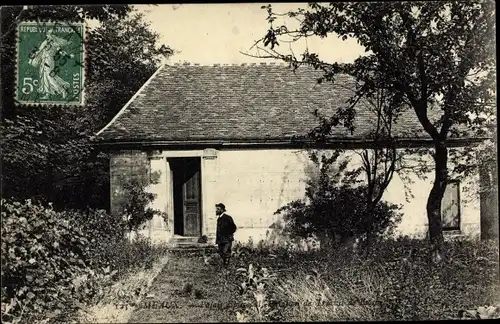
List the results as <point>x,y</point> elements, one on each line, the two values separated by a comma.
<point>50,63</point>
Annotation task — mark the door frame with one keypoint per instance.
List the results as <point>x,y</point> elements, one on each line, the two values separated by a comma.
<point>170,184</point>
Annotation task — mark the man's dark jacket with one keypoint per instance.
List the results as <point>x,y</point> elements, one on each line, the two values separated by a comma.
<point>225,229</point>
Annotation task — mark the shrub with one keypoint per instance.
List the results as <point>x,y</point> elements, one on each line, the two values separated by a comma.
<point>339,205</point>
<point>135,202</point>
<point>338,213</point>
<point>46,260</point>
<point>105,233</point>
<point>54,263</point>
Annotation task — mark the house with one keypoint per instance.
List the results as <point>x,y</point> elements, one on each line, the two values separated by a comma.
<point>237,133</point>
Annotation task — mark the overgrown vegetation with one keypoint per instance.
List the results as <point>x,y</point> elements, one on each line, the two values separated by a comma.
<point>396,282</point>
<point>265,282</point>
<point>434,58</point>
<point>55,263</point>
<point>48,154</point>
<point>135,200</point>
<point>337,208</point>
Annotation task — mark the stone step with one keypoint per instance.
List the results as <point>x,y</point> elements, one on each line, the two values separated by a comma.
<point>184,243</point>
<point>193,248</point>
<point>192,252</point>
<point>187,242</point>
<point>185,238</point>
<point>190,244</point>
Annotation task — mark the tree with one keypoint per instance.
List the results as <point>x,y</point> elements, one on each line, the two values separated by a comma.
<point>335,210</point>
<point>379,162</point>
<point>136,201</point>
<point>47,151</point>
<point>437,57</point>
<point>123,54</point>
<point>10,16</point>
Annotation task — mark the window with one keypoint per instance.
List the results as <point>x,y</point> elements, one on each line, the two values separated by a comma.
<point>450,207</point>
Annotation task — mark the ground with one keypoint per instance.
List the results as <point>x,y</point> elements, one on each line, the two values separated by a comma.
<point>188,290</point>
<point>395,282</point>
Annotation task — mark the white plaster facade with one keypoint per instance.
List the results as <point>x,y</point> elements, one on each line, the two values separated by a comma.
<point>254,183</point>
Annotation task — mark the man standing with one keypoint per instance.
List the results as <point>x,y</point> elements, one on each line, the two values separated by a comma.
<point>225,233</point>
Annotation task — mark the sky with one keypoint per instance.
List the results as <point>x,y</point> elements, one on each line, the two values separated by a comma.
<point>216,33</point>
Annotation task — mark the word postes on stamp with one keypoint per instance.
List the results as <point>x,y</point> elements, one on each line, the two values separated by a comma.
<point>50,63</point>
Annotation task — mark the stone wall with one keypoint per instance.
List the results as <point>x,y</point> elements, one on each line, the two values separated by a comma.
<point>254,183</point>
<point>125,165</point>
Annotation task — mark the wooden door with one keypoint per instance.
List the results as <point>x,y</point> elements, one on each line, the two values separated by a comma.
<point>191,197</point>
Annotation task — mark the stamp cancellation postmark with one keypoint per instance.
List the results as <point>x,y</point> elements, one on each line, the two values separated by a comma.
<point>50,63</point>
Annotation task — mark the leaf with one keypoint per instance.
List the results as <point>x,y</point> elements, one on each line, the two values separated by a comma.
<point>242,318</point>
<point>250,270</point>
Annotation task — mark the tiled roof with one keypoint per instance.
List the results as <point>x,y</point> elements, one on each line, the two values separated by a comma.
<point>238,103</point>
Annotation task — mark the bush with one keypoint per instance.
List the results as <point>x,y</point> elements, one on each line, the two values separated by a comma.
<point>340,204</point>
<point>135,201</point>
<point>337,212</point>
<point>54,263</point>
<point>42,254</point>
<point>105,233</point>
<point>108,244</point>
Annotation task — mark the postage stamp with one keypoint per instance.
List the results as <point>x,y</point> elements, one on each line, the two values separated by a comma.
<point>50,63</point>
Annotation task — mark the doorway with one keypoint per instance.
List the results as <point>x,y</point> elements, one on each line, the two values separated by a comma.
<point>186,173</point>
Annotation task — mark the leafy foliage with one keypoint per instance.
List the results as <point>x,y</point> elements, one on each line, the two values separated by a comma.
<point>335,210</point>
<point>395,282</point>
<point>55,263</point>
<point>47,262</point>
<point>437,58</point>
<point>136,199</point>
<point>105,233</point>
<point>255,284</point>
<point>47,152</point>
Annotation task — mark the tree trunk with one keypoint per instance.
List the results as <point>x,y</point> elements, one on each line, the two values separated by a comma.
<point>327,242</point>
<point>367,244</point>
<point>434,201</point>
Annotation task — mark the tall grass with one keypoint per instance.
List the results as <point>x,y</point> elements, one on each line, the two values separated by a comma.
<point>396,281</point>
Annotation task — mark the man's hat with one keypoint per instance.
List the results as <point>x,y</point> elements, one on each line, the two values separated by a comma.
<point>221,205</point>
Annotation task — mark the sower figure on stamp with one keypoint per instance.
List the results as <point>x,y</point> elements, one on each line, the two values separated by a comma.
<point>225,233</point>
<point>43,57</point>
